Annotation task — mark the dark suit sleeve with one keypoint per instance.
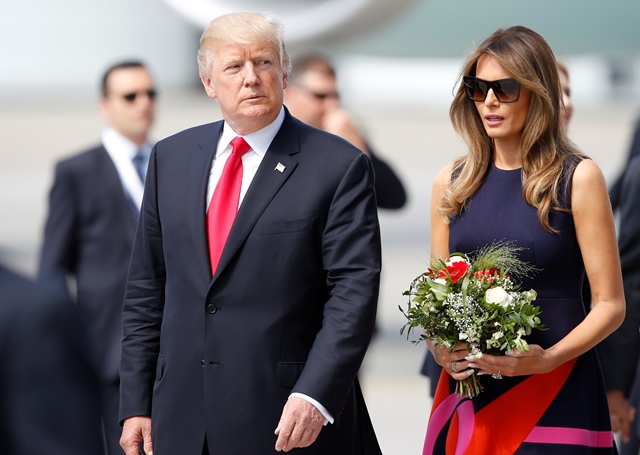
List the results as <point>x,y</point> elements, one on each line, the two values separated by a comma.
<point>59,249</point>
<point>619,353</point>
<point>615,192</point>
<point>390,192</point>
<point>143,307</point>
<point>351,255</point>
<point>48,390</point>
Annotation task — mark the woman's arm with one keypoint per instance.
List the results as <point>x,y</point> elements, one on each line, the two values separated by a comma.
<point>440,250</point>
<point>439,223</point>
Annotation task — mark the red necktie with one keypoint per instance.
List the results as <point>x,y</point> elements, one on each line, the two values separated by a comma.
<point>224,202</point>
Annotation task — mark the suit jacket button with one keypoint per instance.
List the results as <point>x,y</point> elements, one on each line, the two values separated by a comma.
<point>211,308</point>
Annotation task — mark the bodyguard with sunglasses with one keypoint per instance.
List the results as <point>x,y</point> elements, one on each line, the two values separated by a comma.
<point>312,96</point>
<point>525,182</point>
<point>93,211</point>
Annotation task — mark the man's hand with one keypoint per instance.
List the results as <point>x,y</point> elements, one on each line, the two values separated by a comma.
<point>134,431</point>
<point>338,121</point>
<point>622,414</point>
<point>299,425</point>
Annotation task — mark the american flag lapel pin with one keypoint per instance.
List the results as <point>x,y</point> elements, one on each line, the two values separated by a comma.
<point>279,167</point>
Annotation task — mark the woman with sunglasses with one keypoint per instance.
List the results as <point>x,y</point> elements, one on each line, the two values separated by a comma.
<point>524,181</point>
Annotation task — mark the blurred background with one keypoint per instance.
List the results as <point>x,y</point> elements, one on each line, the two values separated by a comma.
<point>397,62</point>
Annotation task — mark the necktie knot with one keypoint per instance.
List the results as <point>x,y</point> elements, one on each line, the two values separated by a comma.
<point>239,146</point>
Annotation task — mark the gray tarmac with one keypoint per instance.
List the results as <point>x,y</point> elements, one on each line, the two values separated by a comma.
<point>417,140</point>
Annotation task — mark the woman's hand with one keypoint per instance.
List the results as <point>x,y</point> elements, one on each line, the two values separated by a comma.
<point>454,362</point>
<point>514,363</point>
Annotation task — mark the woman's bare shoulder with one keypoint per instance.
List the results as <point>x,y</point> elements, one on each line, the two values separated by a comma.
<point>586,175</point>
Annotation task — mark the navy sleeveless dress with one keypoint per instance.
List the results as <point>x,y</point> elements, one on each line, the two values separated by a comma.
<point>561,412</point>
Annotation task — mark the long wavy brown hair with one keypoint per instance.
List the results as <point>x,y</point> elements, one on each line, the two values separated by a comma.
<point>527,57</point>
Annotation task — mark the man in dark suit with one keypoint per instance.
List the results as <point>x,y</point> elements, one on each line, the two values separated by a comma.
<point>255,352</point>
<point>312,96</point>
<point>620,352</point>
<point>93,210</point>
<point>47,385</point>
<point>615,191</point>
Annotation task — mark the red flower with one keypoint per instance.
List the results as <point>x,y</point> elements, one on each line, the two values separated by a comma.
<point>454,270</point>
<point>458,270</point>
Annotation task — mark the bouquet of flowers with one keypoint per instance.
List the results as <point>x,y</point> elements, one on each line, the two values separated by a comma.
<point>472,298</point>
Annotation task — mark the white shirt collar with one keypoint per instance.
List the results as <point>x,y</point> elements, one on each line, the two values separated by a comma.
<point>121,150</point>
<point>116,143</point>
<point>259,141</point>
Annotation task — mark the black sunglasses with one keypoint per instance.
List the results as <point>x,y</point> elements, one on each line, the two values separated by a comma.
<point>131,97</point>
<point>320,96</point>
<point>506,90</point>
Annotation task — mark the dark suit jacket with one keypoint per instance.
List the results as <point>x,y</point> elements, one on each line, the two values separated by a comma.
<point>620,351</point>
<point>48,398</point>
<point>89,236</point>
<point>290,309</point>
<point>615,192</point>
<point>390,192</point>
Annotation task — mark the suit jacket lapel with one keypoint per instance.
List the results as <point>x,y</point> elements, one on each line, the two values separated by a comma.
<point>198,178</point>
<point>109,176</point>
<point>276,167</point>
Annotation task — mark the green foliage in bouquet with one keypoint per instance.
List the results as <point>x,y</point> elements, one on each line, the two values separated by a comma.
<point>472,299</point>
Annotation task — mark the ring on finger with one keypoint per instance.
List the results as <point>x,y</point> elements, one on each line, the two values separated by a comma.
<point>496,375</point>
<point>453,367</point>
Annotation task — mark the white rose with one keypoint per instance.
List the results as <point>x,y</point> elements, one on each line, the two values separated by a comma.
<point>498,295</point>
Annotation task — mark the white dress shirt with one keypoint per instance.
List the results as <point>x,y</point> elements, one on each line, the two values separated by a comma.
<point>259,143</point>
<point>121,151</point>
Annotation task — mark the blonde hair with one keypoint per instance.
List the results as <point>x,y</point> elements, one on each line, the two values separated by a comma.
<point>241,28</point>
<point>527,57</point>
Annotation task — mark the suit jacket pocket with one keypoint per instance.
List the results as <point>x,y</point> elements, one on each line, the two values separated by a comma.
<point>289,372</point>
<point>284,227</point>
<point>160,367</point>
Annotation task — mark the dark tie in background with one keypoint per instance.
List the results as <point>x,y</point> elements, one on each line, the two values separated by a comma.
<point>139,164</point>
<point>138,161</point>
<point>224,202</point>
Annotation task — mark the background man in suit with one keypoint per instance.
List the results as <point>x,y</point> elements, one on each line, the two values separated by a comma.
<point>312,96</point>
<point>615,191</point>
<point>93,210</point>
<point>218,354</point>
<point>620,352</point>
<point>47,385</point>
